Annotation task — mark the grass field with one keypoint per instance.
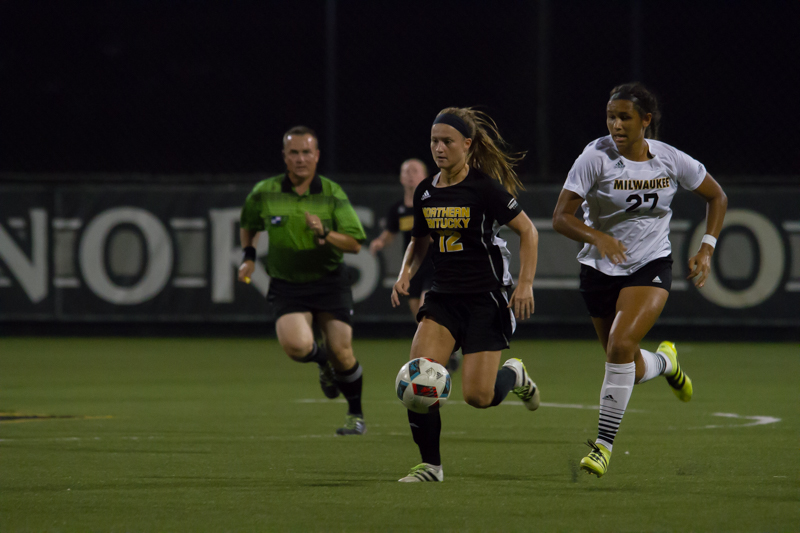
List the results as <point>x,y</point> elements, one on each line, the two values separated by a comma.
<point>229,435</point>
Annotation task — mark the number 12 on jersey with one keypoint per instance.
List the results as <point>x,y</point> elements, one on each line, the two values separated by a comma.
<point>448,241</point>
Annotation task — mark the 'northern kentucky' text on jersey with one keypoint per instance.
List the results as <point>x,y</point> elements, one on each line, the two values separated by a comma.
<point>464,221</point>
<point>446,217</point>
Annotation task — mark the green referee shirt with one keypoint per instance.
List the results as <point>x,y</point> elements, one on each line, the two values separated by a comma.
<point>294,253</point>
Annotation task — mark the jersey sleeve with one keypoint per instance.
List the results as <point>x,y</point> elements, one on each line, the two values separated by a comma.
<point>583,174</point>
<point>393,220</point>
<point>421,228</point>
<point>501,204</point>
<point>251,213</point>
<point>345,218</point>
<point>689,172</point>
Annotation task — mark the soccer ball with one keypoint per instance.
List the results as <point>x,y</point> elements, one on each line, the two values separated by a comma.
<point>421,384</point>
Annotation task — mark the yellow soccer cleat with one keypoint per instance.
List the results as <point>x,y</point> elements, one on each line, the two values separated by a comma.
<point>597,461</point>
<point>681,383</point>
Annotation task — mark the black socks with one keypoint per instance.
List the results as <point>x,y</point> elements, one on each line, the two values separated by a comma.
<point>505,381</point>
<point>316,355</point>
<point>426,430</point>
<point>349,382</point>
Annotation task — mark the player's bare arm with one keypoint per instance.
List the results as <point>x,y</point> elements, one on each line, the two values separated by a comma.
<point>566,223</point>
<point>345,243</point>
<point>522,299</point>
<point>413,258</point>
<point>247,237</point>
<point>383,240</point>
<point>712,193</point>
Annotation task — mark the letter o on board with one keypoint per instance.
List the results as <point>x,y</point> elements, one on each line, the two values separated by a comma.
<point>770,268</point>
<point>159,256</point>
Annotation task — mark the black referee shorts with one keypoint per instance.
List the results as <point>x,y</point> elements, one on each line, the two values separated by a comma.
<point>331,294</point>
<point>600,291</point>
<point>479,322</point>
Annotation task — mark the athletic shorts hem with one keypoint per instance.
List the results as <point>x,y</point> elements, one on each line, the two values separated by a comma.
<point>601,291</point>
<point>478,322</point>
<point>285,298</point>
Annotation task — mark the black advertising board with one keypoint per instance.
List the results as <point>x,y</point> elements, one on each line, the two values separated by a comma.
<point>152,252</point>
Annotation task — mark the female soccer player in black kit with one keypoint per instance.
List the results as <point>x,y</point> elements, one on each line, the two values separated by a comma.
<point>459,212</point>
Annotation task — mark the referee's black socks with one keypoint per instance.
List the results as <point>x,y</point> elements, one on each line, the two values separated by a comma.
<point>426,430</point>
<point>349,382</point>
<point>318,355</point>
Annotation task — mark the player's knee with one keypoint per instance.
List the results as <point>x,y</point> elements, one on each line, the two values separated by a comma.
<point>621,350</point>
<point>340,349</point>
<point>297,350</point>
<point>479,399</point>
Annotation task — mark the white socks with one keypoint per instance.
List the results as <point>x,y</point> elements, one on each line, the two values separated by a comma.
<point>614,396</point>
<point>655,364</point>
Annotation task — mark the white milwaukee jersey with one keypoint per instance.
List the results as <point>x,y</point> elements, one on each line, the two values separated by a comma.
<point>630,200</point>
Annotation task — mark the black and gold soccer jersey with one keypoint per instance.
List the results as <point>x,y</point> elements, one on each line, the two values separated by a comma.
<point>464,220</point>
<point>400,218</point>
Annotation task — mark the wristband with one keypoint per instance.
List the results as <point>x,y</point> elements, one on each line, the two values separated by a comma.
<point>709,239</point>
<point>325,231</point>
<point>249,254</point>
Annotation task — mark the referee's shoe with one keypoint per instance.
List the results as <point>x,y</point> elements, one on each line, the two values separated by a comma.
<point>353,425</point>
<point>327,381</point>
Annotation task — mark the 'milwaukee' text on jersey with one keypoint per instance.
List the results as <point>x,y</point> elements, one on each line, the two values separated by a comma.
<point>630,200</point>
<point>635,185</point>
<point>464,221</point>
<point>295,254</point>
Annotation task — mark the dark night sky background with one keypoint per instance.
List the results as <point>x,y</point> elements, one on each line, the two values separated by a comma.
<point>209,86</point>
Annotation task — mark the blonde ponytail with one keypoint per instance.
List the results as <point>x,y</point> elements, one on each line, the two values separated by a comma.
<point>489,151</point>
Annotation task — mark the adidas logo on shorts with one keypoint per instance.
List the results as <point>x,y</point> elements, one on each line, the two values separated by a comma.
<point>657,280</point>
<point>425,196</point>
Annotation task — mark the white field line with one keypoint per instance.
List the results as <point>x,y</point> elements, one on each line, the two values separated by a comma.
<point>508,402</point>
<point>756,421</point>
<point>143,438</point>
<point>215,438</point>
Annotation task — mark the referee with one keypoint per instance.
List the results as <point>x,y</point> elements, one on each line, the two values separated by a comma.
<point>311,224</point>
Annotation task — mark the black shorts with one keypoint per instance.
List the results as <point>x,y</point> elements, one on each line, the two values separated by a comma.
<point>331,294</point>
<point>479,322</point>
<point>600,291</point>
<point>422,280</point>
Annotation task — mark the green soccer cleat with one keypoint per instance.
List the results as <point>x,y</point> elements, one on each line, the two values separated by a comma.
<point>327,381</point>
<point>681,383</point>
<point>596,462</point>
<point>353,425</point>
<point>423,472</point>
<point>524,388</point>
